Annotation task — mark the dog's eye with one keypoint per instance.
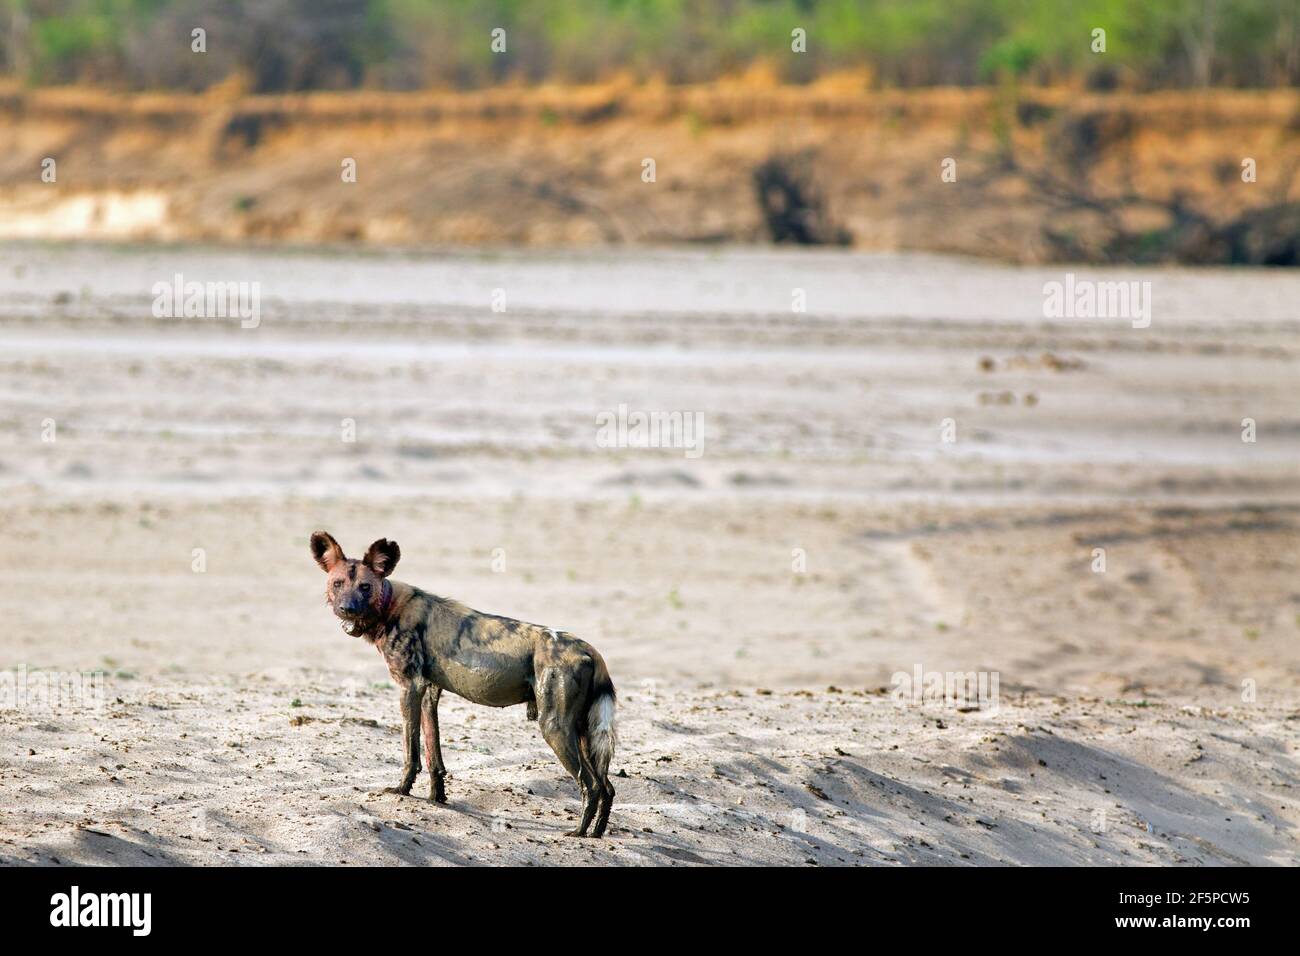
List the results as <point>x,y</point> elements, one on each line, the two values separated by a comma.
<point>365,589</point>
<point>337,585</point>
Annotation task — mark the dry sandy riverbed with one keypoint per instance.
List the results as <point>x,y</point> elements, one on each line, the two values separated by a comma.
<point>230,771</point>
<point>1147,713</point>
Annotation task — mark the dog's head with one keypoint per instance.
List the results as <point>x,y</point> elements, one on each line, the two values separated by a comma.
<point>356,590</point>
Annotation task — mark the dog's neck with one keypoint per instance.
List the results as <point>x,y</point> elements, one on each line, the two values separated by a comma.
<point>372,626</point>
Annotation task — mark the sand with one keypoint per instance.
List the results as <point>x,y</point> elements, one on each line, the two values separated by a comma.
<point>755,603</point>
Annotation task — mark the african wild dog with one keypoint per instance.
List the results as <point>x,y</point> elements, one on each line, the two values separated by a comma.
<point>432,644</point>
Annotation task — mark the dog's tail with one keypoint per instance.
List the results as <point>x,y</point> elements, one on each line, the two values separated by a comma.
<point>601,736</point>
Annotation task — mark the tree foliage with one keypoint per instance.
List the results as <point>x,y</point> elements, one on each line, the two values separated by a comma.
<point>400,44</point>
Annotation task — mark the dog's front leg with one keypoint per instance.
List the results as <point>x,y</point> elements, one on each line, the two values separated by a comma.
<point>412,694</point>
<point>433,745</point>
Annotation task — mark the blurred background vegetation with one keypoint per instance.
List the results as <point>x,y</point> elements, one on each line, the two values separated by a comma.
<point>279,45</point>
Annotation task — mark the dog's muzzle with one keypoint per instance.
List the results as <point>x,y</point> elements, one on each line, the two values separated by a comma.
<point>354,625</point>
<point>359,624</point>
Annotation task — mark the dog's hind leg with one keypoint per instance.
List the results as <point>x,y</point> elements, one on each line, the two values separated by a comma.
<point>433,745</point>
<point>606,804</point>
<point>598,740</point>
<point>557,694</point>
<point>598,750</point>
<point>564,741</point>
<point>593,795</point>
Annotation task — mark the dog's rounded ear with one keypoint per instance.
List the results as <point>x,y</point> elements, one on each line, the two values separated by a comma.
<point>382,557</point>
<point>326,551</point>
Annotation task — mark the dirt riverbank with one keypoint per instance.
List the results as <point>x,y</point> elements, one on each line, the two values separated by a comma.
<point>1039,174</point>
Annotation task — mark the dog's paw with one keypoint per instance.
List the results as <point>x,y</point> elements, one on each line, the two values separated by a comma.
<point>403,791</point>
<point>437,789</point>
